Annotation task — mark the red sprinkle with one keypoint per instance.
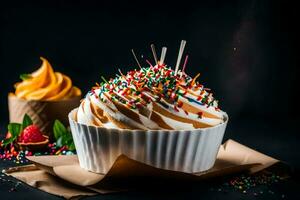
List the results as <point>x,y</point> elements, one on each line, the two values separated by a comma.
<point>186,112</point>
<point>200,114</point>
<point>176,109</point>
<point>180,104</point>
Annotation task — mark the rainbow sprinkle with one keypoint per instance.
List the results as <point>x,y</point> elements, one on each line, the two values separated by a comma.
<point>159,80</point>
<point>19,157</point>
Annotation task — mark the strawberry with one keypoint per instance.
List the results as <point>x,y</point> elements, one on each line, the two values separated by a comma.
<point>31,134</point>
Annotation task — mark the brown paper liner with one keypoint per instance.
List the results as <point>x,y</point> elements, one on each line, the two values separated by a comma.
<point>42,113</point>
<point>62,175</point>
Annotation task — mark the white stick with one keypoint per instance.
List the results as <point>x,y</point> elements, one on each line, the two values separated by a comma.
<point>181,49</point>
<point>120,72</point>
<point>154,53</point>
<point>137,61</point>
<point>163,55</point>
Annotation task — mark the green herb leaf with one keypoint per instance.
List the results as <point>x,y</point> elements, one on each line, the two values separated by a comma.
<point>26,121</point>
<point>25,76</point>
<point>8,141</point>
<point>68,138</point>
<point>59,129</point>
<point>15,129</point>
<point>63,136</point>
<point>71,146</point>
<point>59,142</point>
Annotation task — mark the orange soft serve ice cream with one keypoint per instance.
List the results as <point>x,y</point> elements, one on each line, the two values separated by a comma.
<point>46,85</point>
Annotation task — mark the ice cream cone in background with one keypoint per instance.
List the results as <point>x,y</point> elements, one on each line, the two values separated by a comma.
<point>44,95</point>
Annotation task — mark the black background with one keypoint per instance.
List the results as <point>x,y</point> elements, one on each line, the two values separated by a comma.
<point>246,51</point>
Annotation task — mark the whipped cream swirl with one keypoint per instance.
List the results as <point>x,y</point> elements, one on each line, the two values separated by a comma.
<point>151,98</point>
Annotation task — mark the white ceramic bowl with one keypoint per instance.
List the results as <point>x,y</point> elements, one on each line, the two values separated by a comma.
<point>187,151</point>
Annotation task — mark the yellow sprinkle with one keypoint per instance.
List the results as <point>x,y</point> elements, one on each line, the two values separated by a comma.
<point>58,152</point>
<point>194,79</point>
